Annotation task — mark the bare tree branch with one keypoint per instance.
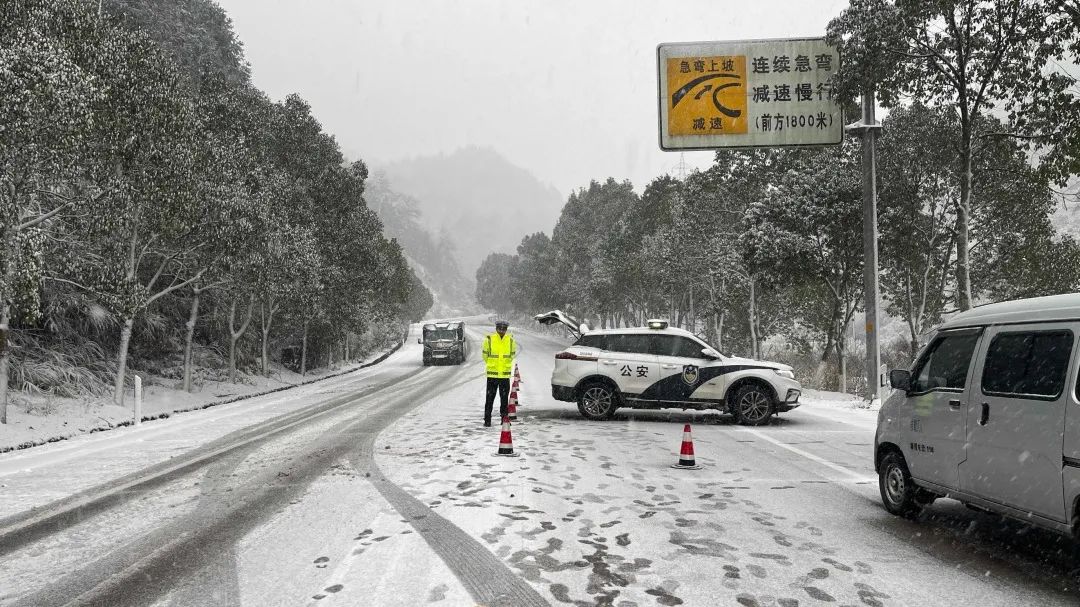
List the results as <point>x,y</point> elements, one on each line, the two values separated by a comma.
<point>43,218</point>
<point>988,75</point>
<point>174,287</point>
<point>72,283</point>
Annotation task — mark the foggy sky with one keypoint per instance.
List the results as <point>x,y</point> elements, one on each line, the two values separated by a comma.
<point>565,89</point>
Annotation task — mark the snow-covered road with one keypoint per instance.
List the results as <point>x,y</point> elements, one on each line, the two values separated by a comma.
<point>787,514</point>
<point>382,488</point>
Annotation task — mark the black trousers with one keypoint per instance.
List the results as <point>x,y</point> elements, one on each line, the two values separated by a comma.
<point>503,387</point>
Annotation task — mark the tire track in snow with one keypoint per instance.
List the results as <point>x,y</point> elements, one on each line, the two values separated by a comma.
<point>483,574</point>
<point>154,565</point>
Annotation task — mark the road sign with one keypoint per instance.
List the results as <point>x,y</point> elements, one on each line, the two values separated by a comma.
<point>749,93</point>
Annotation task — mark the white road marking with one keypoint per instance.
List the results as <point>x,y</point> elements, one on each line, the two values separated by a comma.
<point>854,476</point>
<point>780,429</point>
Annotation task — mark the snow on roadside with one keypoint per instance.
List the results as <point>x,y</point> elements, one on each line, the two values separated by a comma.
<point>838,407</point>
<point>838,400</point>
<point>39,419</point>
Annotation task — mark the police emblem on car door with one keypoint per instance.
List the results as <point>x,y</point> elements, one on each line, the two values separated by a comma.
<point>690,374</point>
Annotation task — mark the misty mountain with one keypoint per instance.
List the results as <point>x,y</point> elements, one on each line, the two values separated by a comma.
<point>476,199</point>
<point>431,257</point>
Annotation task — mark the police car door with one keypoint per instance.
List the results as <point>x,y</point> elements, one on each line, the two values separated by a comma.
<point>681,370</point>
<point>629,362</point>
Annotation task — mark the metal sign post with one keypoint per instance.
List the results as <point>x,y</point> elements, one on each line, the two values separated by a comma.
<point>868,128</point>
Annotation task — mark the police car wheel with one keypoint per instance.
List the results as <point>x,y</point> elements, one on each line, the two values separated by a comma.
<point>597,400</point>
<point>898,493</point>
<point>753,405</point>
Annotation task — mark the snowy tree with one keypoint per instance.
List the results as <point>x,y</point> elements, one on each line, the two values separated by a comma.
<point>971,56</point>
<point>1016,251</point>
<point>651,239</point>
<point>586,240</point>
<point>225,183</point>
<point>140,233</point>
<point>142,179</point>
<point>808,232</point>
<point>493,284</point>
<point>919,185</point>
<point>45,109</point>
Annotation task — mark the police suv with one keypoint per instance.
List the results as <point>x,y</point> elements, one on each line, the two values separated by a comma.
<point>659,366</point>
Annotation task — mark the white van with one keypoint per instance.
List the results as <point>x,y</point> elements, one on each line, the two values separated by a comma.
<point>989,415</point>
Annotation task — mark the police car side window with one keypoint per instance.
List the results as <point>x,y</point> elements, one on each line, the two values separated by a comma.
<point>634,343</point>
<point>660,345</point>
<point>674,345</point>
<point>591,341</point>
<point>689,348</point>
<point>946,365</point>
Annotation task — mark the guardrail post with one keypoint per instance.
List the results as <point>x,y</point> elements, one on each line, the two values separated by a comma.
<point>138,400</point>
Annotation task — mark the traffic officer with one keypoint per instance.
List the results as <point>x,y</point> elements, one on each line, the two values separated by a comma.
<point>499,351</point>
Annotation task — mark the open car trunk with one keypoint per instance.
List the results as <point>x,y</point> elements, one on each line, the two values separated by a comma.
<point>560,317</point>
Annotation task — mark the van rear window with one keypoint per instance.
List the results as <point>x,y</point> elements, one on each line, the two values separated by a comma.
<point>1030,363</point>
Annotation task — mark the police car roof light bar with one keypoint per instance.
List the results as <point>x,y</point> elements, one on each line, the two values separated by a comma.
<point>656,323</point>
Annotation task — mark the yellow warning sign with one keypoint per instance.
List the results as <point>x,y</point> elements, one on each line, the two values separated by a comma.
<point>748,94</point>
<point>707,95</point>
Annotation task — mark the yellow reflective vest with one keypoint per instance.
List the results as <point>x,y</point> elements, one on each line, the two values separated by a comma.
<point>499,353</point>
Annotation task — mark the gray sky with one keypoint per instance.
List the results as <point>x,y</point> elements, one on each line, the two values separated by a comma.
<point>563,88</point>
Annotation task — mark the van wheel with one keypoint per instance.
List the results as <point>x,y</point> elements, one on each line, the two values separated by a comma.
<point>597,400</point>
<point>898,492</point>
<point>753,405</point>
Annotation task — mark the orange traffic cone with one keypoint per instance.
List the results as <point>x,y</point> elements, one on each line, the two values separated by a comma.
<point>686,453</point>
<point>517,374</point>
<point>515,385</point>
<point>506,442</point>
<point>511,406</point>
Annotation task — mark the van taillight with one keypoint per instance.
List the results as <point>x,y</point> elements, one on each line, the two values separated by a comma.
<point>572,356</point>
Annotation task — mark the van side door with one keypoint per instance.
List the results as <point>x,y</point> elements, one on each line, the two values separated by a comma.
<point>1071,448</point>
<point>1016,418</point>
<point>935,409</point>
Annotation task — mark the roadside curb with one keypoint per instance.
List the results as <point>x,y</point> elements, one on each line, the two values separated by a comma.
<point>166,415</point>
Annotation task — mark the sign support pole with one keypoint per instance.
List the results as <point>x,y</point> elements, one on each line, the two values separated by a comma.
<point>868,128</point>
